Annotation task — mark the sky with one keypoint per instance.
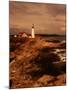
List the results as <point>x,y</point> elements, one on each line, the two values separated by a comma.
<point>47,18</point>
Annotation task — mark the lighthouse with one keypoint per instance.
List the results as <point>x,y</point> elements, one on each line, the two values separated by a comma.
<point>33,32</point>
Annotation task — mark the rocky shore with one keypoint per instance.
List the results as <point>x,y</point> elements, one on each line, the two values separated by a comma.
<point>37,63</point>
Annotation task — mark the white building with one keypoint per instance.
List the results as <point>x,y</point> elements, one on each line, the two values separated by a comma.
<point>15,36</point>
<point>33,32</point>
<point>22,34</point>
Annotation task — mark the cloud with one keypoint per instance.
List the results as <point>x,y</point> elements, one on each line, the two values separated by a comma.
<point>48,18</point>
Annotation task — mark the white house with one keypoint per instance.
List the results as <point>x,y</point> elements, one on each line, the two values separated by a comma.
<point>23,34</point>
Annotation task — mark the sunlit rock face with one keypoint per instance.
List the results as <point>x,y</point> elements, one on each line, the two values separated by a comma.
<point>37,63</point>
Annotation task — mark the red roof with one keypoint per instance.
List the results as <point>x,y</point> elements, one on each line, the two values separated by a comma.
<point>21,32</point>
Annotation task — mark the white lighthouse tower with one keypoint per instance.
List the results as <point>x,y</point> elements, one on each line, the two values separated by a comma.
<point>33,32</point>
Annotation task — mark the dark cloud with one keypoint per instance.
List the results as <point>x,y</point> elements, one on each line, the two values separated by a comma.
<point>56,9</point>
